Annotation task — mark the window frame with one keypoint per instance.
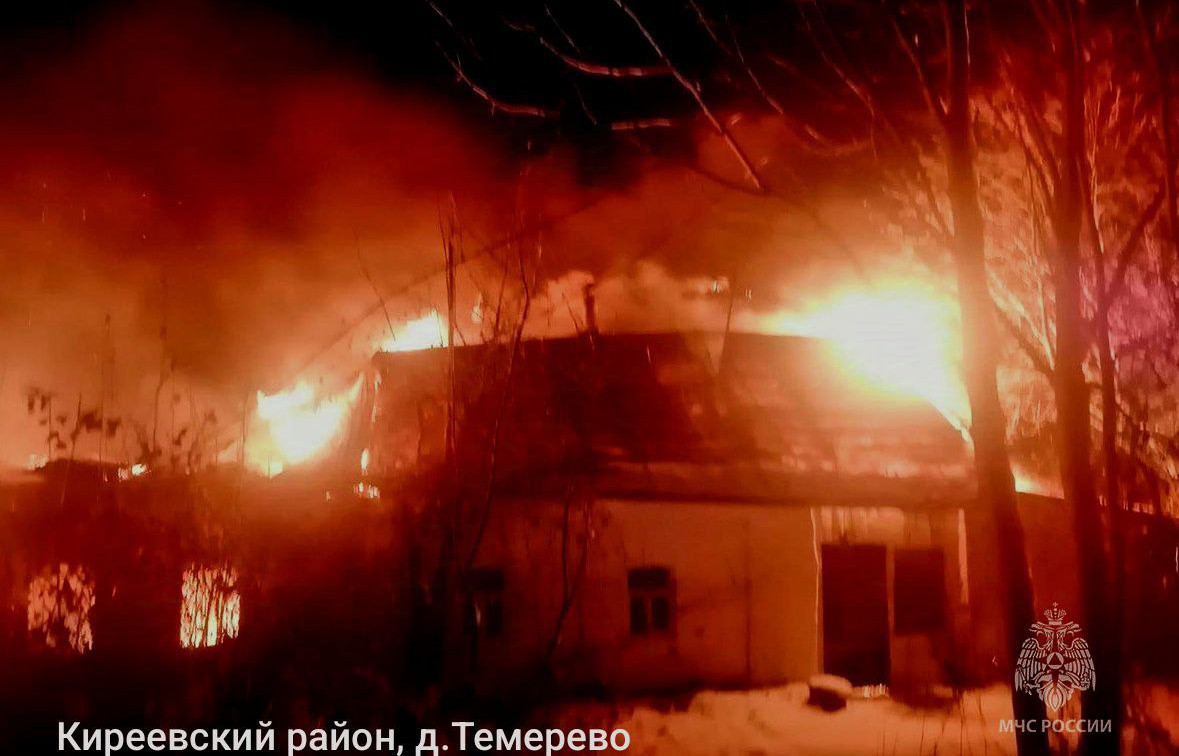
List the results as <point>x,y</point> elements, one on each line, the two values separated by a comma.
<point>651,592</point>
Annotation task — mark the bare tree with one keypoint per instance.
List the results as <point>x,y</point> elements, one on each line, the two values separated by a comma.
<point>1071,104</point>
<point>914,102</point>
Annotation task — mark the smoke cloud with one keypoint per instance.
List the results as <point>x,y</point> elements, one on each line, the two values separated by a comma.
<point>204,200</point>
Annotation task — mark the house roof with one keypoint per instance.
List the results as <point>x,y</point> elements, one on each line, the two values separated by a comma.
<point>640,402</point>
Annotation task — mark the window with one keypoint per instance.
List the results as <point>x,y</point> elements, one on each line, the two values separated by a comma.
<point>919,591</point>
<point>652,600</point>
<point>211,606</point>
<point>487,601</point>
<point>60,600</point>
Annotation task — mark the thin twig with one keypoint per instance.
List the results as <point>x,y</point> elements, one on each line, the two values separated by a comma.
<point>693,89</point>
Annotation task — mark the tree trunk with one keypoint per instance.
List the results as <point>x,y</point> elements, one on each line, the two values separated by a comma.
<point>1073,408</point>
<point>1112,463</point>
<point>996,486</point>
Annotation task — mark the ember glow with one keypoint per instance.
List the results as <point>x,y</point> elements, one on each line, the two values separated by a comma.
<point>426,332</point>
<point>60,600</point>
<point>211,607</point>
<point>295,426</point>
<point>899,339</point>
<point>366,491</point>
<point>134,471</point>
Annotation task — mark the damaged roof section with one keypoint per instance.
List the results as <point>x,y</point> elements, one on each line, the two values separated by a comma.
<point>694,414</point>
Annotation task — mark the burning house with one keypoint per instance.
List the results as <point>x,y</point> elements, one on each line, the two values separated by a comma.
<point>602,513</point>
<point>432,362</point>
<point>657,511</point>
<point>653,511</point>
<point>615,512</point>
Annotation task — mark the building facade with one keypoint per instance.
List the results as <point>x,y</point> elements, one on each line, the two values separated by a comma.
<point>683,510</point>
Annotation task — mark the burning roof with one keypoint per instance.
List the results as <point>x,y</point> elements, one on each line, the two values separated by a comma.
<point>609,403</point>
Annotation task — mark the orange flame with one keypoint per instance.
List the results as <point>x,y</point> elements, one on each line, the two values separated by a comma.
<point>211,607</point>
<point>1028,481</point>
<point>426,332</point>
<point>296,426</point>
<point>900,338</point>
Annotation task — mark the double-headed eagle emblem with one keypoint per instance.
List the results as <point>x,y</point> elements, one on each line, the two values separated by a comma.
<point>1054,661</point>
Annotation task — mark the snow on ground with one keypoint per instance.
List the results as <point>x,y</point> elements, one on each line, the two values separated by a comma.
<point>777,722</point>
<point>1154,718</point>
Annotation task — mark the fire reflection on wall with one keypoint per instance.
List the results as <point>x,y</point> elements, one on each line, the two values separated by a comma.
<point>211,607</point>
<point>60,600</point>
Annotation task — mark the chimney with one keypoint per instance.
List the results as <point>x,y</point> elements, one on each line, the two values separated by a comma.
<point>591,309</point>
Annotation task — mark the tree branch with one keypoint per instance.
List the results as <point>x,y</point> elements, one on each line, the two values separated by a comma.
<point>1039,360</point>
<point>693,88</point>
<point>587,67</point>
<point>1129,247</point>
<point>496,104</point>
<point>919,68</point>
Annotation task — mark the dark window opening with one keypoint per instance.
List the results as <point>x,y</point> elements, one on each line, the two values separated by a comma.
<point>652,600</point>
<point>919,591</point>
<point>486,615</point>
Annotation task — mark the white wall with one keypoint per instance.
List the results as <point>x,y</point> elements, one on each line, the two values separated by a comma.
<point>745,585</point>
<point>746,582</point>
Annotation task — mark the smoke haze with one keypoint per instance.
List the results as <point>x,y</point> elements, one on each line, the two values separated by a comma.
<point>186,199</point>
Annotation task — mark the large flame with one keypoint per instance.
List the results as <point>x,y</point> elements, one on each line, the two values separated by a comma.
<point>295,426</point>
<point>427,332</point>
<point>298,424</point>
<point>900,338</point>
